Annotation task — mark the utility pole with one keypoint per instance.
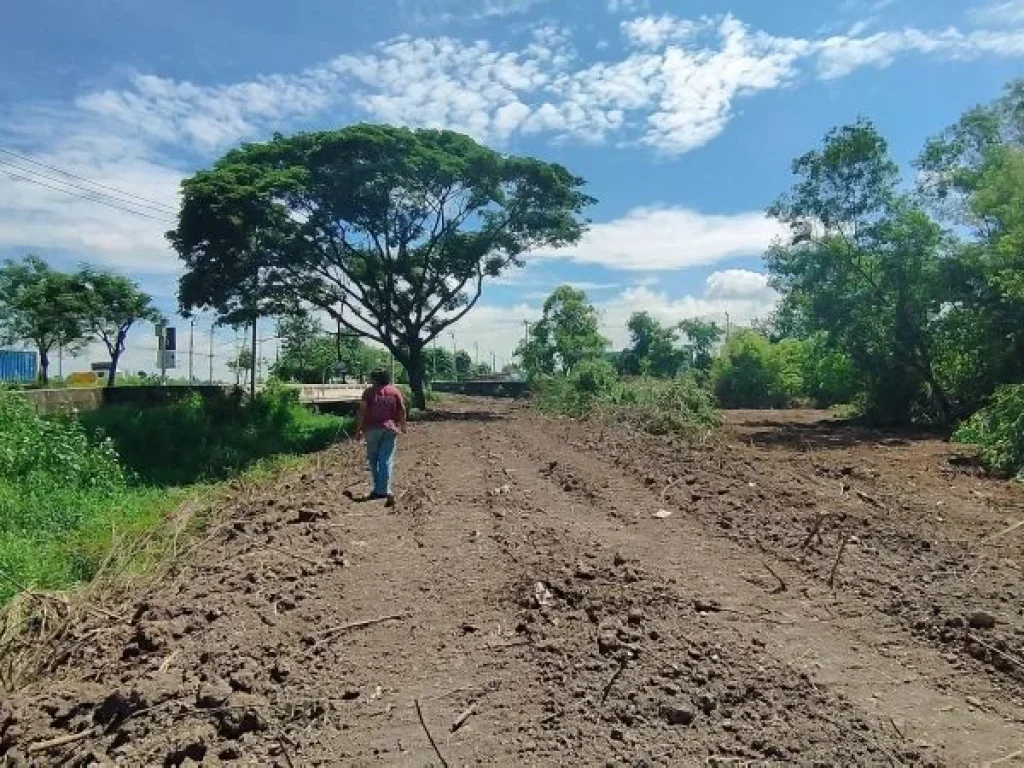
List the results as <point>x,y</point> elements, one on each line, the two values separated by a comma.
<point>191,348</point>
<point>60,361</point>
<point>727,327</point>
<point>212,326</point>
<point>493,364</point>
<point>476,353</point>
<point>455,364</point>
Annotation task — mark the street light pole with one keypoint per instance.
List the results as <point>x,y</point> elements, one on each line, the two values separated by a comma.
<point>455,363</point>
<point>212,326</point>
<point>191,348</point>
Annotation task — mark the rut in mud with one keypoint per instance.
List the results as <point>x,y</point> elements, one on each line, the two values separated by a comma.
<point>551,593</point>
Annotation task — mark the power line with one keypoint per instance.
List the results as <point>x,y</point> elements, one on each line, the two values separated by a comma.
<point>80,196</point>
<point>79,187</point>
<point>61,171</point>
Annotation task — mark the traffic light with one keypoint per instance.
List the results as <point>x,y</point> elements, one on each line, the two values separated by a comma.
<point>170,339</point>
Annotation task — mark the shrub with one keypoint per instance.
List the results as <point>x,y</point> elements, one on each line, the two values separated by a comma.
<point>746,374</point>
<point>998,430</point>
<point>60,493</point>
<point>658,406</point>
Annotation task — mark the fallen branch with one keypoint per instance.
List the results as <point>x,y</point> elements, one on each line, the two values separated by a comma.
<point>870,499</point>
<point>1010,529</point>
<point>364,623</point>
<point>835,565</point>
<point>782,584</point>
<point>461,719</point>
<point>284,752</point>
<point>419,714</point>
<point>1010,658</point>
<point>819,519</point>
<point>608,687</point>
<point>60,741</point>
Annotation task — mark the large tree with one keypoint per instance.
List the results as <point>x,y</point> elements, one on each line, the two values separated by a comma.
<point>865,266</point>
<point>41,306</point>
<point>702,335</point>
<point>567,334</point>
<point>652,349</point>
<point>110,305</point>
<point>391,231</point>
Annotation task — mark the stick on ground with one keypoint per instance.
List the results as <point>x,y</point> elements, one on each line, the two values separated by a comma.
<point>60,741</point>
<point>364,623</point>
<point>835,565</point>
<point>419,714</point>
<point>461,719</point>
<point>608,687</point>
<point>782,584</point>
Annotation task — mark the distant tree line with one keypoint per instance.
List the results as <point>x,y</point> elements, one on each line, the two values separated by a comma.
<point>50,310</point>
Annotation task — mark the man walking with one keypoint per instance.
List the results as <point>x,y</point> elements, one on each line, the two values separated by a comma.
<point>381,419</point>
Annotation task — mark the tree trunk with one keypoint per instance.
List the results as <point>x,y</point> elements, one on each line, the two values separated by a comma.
<point>44,366</point>
<point>415,369</point>
<point>112,374</point>
<point>252,363</point>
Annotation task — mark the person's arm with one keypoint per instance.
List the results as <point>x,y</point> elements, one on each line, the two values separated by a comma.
<point>402,414</point>
<point>361,419</point>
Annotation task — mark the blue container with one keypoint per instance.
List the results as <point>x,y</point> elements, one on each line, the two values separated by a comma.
<point>18,367</point>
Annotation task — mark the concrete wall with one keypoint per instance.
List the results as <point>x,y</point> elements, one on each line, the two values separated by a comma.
<point>483,388</point>
<point>91,398</point>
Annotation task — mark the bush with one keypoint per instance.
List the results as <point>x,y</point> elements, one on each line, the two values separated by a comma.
<point>214,437</point>
<point>998,430</point>
<point>658,406</point>
<point>59,494</point>
<point>746,373</point>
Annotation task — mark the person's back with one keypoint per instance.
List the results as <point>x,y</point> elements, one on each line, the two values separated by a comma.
<point>381,420</point>
<point>384,407</point>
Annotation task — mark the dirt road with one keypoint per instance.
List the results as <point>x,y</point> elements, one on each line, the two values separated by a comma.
<point>531,602</point>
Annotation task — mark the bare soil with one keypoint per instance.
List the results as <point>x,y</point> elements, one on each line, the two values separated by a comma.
<point>546,592</point>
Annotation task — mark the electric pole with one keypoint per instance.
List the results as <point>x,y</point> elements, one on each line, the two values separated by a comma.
<point>455,361</point>
<point>212,326</point>
<point>191,348</point>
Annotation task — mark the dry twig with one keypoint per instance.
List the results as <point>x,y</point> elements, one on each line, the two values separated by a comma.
<point>461,719</point>
<point>1010,658</point>
<point>782,584</point>
<point>364,623</point>
<point>611,682</point>
<point>839,556</point>
<point>419,714</point>
<point>60,741</point>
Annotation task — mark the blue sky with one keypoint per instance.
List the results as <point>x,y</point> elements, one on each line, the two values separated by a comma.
<point>682,115</point>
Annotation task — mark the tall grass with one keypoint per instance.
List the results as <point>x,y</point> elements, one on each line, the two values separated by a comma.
<point>70,487</point>
<point>213,437</point>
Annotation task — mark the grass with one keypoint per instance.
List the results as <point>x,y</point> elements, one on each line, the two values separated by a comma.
<point>214,437</point>
<point>72,489</point>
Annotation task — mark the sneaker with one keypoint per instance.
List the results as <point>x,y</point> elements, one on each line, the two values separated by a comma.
<point>391,500</point>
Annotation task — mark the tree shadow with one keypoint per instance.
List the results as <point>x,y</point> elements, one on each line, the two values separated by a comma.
<point>466,416</point>
<point>826,435</point>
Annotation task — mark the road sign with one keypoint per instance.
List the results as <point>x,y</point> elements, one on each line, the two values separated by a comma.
<point>100,367</point>
<point>82,378</point>
<point>165,359</point>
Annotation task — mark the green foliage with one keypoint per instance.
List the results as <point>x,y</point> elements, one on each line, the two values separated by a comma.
<point>566,335</point>
<point>211,438</point>
<point>657,406</point>
<point>652,350</point>
<point>747,373</point>
<point>41,306</point>
<point>54,484</point>
<point>110,306</point>
<point>702,336</point>
<point>391,231</point>
<point>998,430</point>
<point>866,267</point>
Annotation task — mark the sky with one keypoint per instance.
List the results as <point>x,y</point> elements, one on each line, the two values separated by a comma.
<point>682,115</point>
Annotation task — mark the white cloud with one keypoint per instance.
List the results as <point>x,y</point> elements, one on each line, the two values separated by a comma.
<point>671,238</point>
<point>1001,12</point>
<point>656,31</point>
<point>627,6</point>
<point>739,294</point>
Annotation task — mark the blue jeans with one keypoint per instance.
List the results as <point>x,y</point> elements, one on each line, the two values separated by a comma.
<point>380,453</point>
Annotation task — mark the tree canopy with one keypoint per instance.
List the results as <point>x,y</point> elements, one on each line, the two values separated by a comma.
<point>42,306</point>
<point>389,230</point>
<point>110,305</point>
<point>567,334</point>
